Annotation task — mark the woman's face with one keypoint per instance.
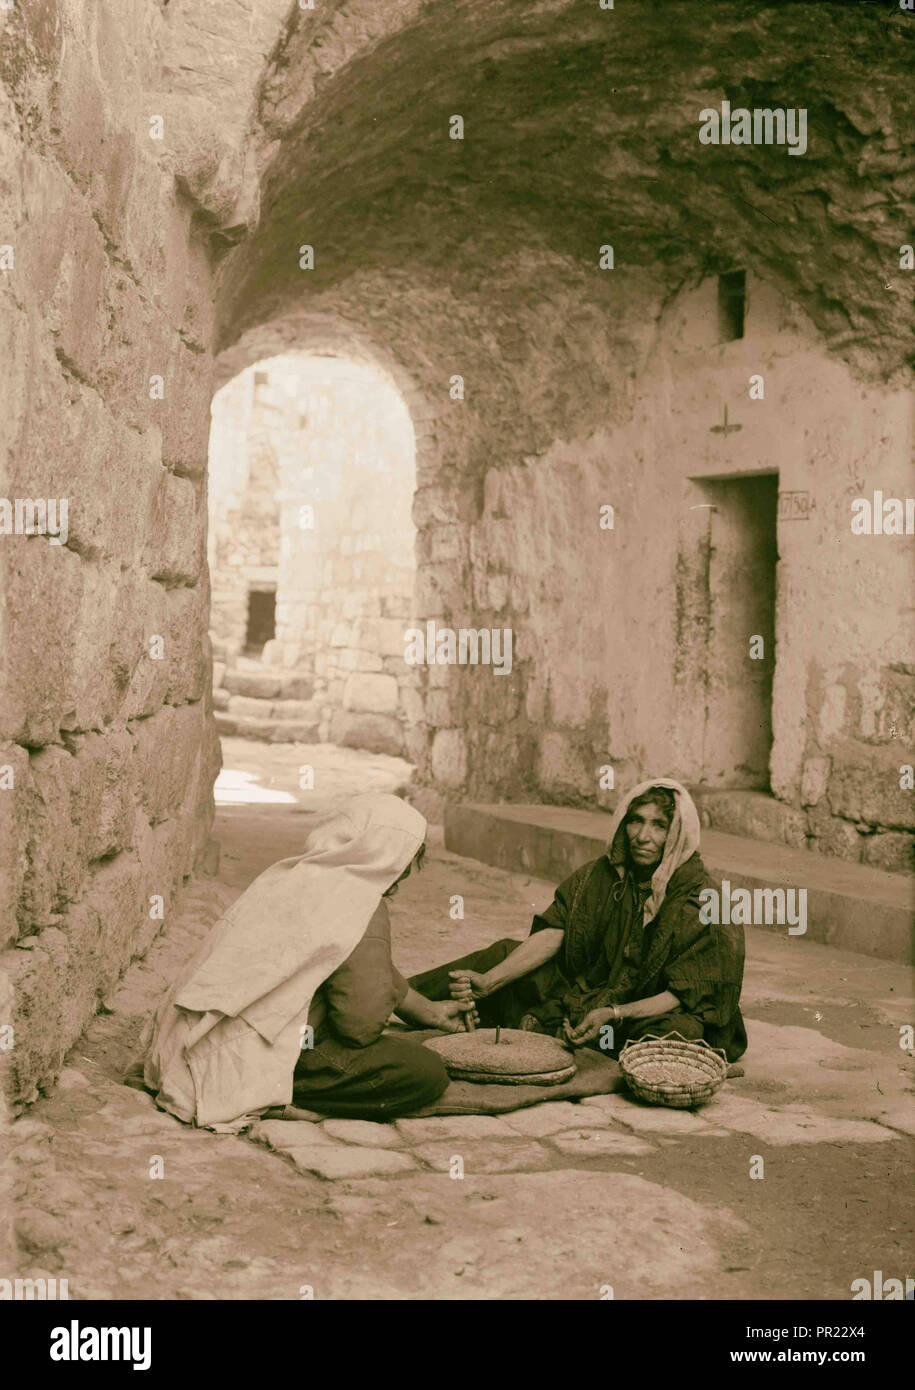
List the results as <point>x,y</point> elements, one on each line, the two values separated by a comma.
<point>389,893</point>
<point>646,828</point>
<point>417,861</point>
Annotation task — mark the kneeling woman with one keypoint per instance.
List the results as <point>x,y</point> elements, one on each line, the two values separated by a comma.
<point>288,998</point>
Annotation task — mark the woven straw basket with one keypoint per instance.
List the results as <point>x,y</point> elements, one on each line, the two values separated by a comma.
<point>672,1070</point>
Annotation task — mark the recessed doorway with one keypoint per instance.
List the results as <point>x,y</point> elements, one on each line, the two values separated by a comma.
<point>261,627</point>
<point>740,646</point>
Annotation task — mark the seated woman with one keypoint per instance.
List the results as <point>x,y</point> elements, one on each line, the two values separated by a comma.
<point>620,945</point>
<point>289,996</point>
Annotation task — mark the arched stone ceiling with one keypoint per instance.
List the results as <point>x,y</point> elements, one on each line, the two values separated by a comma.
<point>581,128</point>
<point>312,335</point>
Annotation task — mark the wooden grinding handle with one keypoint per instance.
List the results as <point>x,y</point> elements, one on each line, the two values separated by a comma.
<point>469,1024</point>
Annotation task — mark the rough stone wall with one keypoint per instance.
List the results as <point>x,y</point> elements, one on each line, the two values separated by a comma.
<point>339,444</point>
<point>105,734</point>
<point>245,532</point>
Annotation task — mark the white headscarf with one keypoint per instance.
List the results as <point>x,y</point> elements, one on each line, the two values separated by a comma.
<point>682,838</point>
<point>226,1038</point>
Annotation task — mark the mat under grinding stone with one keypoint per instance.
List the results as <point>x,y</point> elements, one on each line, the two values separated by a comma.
<point>504,1056</point>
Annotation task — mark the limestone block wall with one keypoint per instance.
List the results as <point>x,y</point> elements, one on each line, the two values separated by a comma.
<point>107,755</point>
<point>244,536</point>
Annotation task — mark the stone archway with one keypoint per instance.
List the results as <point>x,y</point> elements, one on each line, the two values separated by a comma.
<point>312,476</point>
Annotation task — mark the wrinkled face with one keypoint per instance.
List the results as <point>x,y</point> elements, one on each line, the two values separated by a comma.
<point>646,830</point>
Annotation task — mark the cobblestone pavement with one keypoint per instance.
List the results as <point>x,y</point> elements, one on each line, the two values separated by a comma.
<point>562,1200</point>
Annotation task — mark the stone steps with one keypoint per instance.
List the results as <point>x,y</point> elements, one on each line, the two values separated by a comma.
<point>246,706</point>
<point>277,707</point>
<point>849,905</point>
<point>268,684</point>
<point>269,728</point>
<point>273,706</point>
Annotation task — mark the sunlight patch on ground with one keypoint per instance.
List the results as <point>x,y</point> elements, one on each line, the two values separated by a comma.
<point>234,788</point>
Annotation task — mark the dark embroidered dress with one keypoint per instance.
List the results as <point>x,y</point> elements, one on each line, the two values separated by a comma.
<point>608,957</point>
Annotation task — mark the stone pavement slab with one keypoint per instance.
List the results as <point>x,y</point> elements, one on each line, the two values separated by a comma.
<point>455,1127</point>
<point>484,1156</point>
<point>281,1134</point>
<point>647,1119</point>
<point>853,1081</point>
<point>587,1143</point>
<point>791,1124</point>
<point>368,1132</point>
<point>900,1116</point>
<point>538,1120</point>
<point>345,1161</point>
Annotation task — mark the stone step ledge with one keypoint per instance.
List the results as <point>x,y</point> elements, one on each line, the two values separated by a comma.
<point>849,905</point>
<point>267,730</point>
<point>268,685</point>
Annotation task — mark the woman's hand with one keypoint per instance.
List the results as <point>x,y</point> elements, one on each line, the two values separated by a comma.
<point>468,984</point>
<point>589,1028</point>
<point>449,1014</point>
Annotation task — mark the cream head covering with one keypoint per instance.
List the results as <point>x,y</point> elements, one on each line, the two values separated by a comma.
<point>682,838</point>
<point>226,1038</point>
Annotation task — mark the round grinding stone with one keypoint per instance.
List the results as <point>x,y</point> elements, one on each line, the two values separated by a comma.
<point>517,1059</point>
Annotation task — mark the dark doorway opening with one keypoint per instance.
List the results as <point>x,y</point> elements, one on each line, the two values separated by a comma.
<point>261,618</point>
<point>732,303</point>
<point>740,652</point>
